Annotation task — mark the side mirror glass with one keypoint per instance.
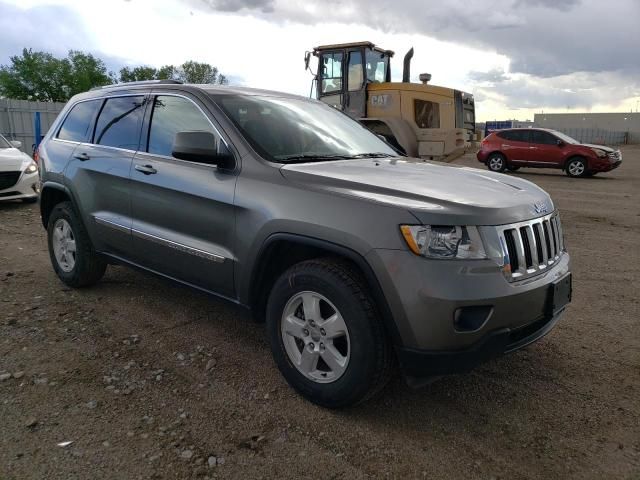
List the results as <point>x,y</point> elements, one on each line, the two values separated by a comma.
<point>560,143</point>
<point>307,58</point>
<point>16,143</point>
<point>201,147</point>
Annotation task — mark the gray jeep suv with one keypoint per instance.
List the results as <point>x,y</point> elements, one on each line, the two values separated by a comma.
<point>357,258</point>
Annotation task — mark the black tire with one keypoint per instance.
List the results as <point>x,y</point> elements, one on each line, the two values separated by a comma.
<point>496,162</point>
<point>513,168</point>
<point>371,358</point>
<point>30,200</point>
<point>88,266</point>
<point>576,167</point>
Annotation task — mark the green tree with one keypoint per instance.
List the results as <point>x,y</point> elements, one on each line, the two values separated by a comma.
<point>43,77</point>
<point>138,74</point>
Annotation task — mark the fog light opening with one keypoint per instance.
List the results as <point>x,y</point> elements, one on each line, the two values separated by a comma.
<point>471,319</point>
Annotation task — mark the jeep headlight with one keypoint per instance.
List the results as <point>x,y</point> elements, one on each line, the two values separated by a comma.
<point>444,242</point>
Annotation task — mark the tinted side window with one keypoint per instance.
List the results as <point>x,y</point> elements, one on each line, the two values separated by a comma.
<point>119,122</point>
<point>172,115</point>
<point>427,114</point>
<point>544,138</point>
<point>520,135</point>
<point>76,126</point>
<point>506,135</point>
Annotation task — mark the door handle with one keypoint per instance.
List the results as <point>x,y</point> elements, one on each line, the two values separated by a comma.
<point>82,156</point>
<point>146,169</point>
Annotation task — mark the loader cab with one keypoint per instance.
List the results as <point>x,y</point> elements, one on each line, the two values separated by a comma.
<point>345,70</point>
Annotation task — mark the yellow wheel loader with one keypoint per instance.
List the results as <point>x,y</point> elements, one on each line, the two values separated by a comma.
<point>424,121</point>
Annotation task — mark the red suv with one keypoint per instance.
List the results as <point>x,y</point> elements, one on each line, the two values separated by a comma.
<point>543,148</point>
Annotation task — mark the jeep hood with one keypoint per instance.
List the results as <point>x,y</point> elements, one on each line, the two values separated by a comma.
<point>433,192</point>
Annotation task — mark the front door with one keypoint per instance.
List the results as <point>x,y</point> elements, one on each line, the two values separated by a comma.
<point>183,214</point>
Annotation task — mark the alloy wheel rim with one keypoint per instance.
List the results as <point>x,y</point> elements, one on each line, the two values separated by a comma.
<point>495,163</point>
<point>576,168</point>
<point>64,245</point>
<point>315,337</point>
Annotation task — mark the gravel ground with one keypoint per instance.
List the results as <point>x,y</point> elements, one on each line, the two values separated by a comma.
<point>147,379</point>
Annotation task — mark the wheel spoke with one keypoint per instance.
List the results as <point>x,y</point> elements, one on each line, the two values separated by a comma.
<point>71,246</point>
<point>65,230</point>
<point>311,307</point>
<point>57,234</point>
<point>308,360</point>
<point>293,326</point>
<point>334,326</point>
<point>334,359</point>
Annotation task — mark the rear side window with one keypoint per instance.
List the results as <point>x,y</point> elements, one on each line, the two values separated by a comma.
<point>119,122</point>
<point>75,127</point>
<point>544,138</point>
<point>172,115</point>
<point>427,114</point>
<point>515,135</point>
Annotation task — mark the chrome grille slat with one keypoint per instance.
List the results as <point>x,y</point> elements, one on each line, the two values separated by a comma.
<point>532,246</point>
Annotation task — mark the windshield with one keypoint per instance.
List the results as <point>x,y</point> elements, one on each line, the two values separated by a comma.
<point>294,130</point>
<point>4,143</point>
<point>565,138</point>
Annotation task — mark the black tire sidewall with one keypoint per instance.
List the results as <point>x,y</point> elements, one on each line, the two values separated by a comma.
<point>501,157</point>
<point>75,277</point>
<point>576,160</point>
<point>356,381</point>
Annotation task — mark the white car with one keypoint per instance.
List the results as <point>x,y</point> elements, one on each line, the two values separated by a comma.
<point>18,173</point>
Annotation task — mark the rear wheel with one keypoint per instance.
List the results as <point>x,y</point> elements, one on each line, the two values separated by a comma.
<point>496,162</point>
<point>72,255</point>
<point>326,336</point>
<point>576,167</point>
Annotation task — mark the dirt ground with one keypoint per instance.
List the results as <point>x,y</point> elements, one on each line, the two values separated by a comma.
<point>148,379</point>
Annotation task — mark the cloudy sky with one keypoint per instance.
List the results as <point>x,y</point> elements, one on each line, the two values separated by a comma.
<point>518,57</point>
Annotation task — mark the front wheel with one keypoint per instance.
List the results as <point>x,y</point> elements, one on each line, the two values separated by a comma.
<point>576,167</point>
<point>496,162</point>
<point>326,335</point>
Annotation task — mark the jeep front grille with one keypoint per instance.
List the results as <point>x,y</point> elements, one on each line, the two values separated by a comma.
<point>8,179</point>
<point>531,247</point>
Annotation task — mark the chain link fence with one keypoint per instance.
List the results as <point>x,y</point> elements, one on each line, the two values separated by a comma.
<point>596,136</point>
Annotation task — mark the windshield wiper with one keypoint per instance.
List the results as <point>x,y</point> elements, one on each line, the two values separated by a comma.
<point>372,155</point>
<point>311,158</point>
<point>321,158</point>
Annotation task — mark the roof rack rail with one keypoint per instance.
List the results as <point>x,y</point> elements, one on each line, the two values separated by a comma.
<point>139,82</point>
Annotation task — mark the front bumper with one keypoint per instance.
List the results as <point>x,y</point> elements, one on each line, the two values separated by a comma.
<point>27,186</point>
<point>426,297</point>
<point>421,365</point>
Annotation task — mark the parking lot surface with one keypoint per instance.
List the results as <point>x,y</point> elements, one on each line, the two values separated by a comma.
<point>148,379</point>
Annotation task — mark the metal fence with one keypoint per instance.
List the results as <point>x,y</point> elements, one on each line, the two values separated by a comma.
<point>17,119</point>
<point>596,136</point>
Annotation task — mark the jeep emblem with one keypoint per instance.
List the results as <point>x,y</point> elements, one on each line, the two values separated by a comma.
<point>540,207</point>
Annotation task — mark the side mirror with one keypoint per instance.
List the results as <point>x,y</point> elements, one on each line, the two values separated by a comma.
<point>201,147</point>
<point>16,143</point>
<point>560,143</point>
<point>307,58</point>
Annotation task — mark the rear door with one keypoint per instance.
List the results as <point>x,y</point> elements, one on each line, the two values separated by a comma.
<point>514,144</point>
<point>544,150</point>
<point>99,172</point>
<point>183,213</point>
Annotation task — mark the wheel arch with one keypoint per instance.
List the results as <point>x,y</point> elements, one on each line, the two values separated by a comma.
<point>282,250</point>
<point>52,193</point>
